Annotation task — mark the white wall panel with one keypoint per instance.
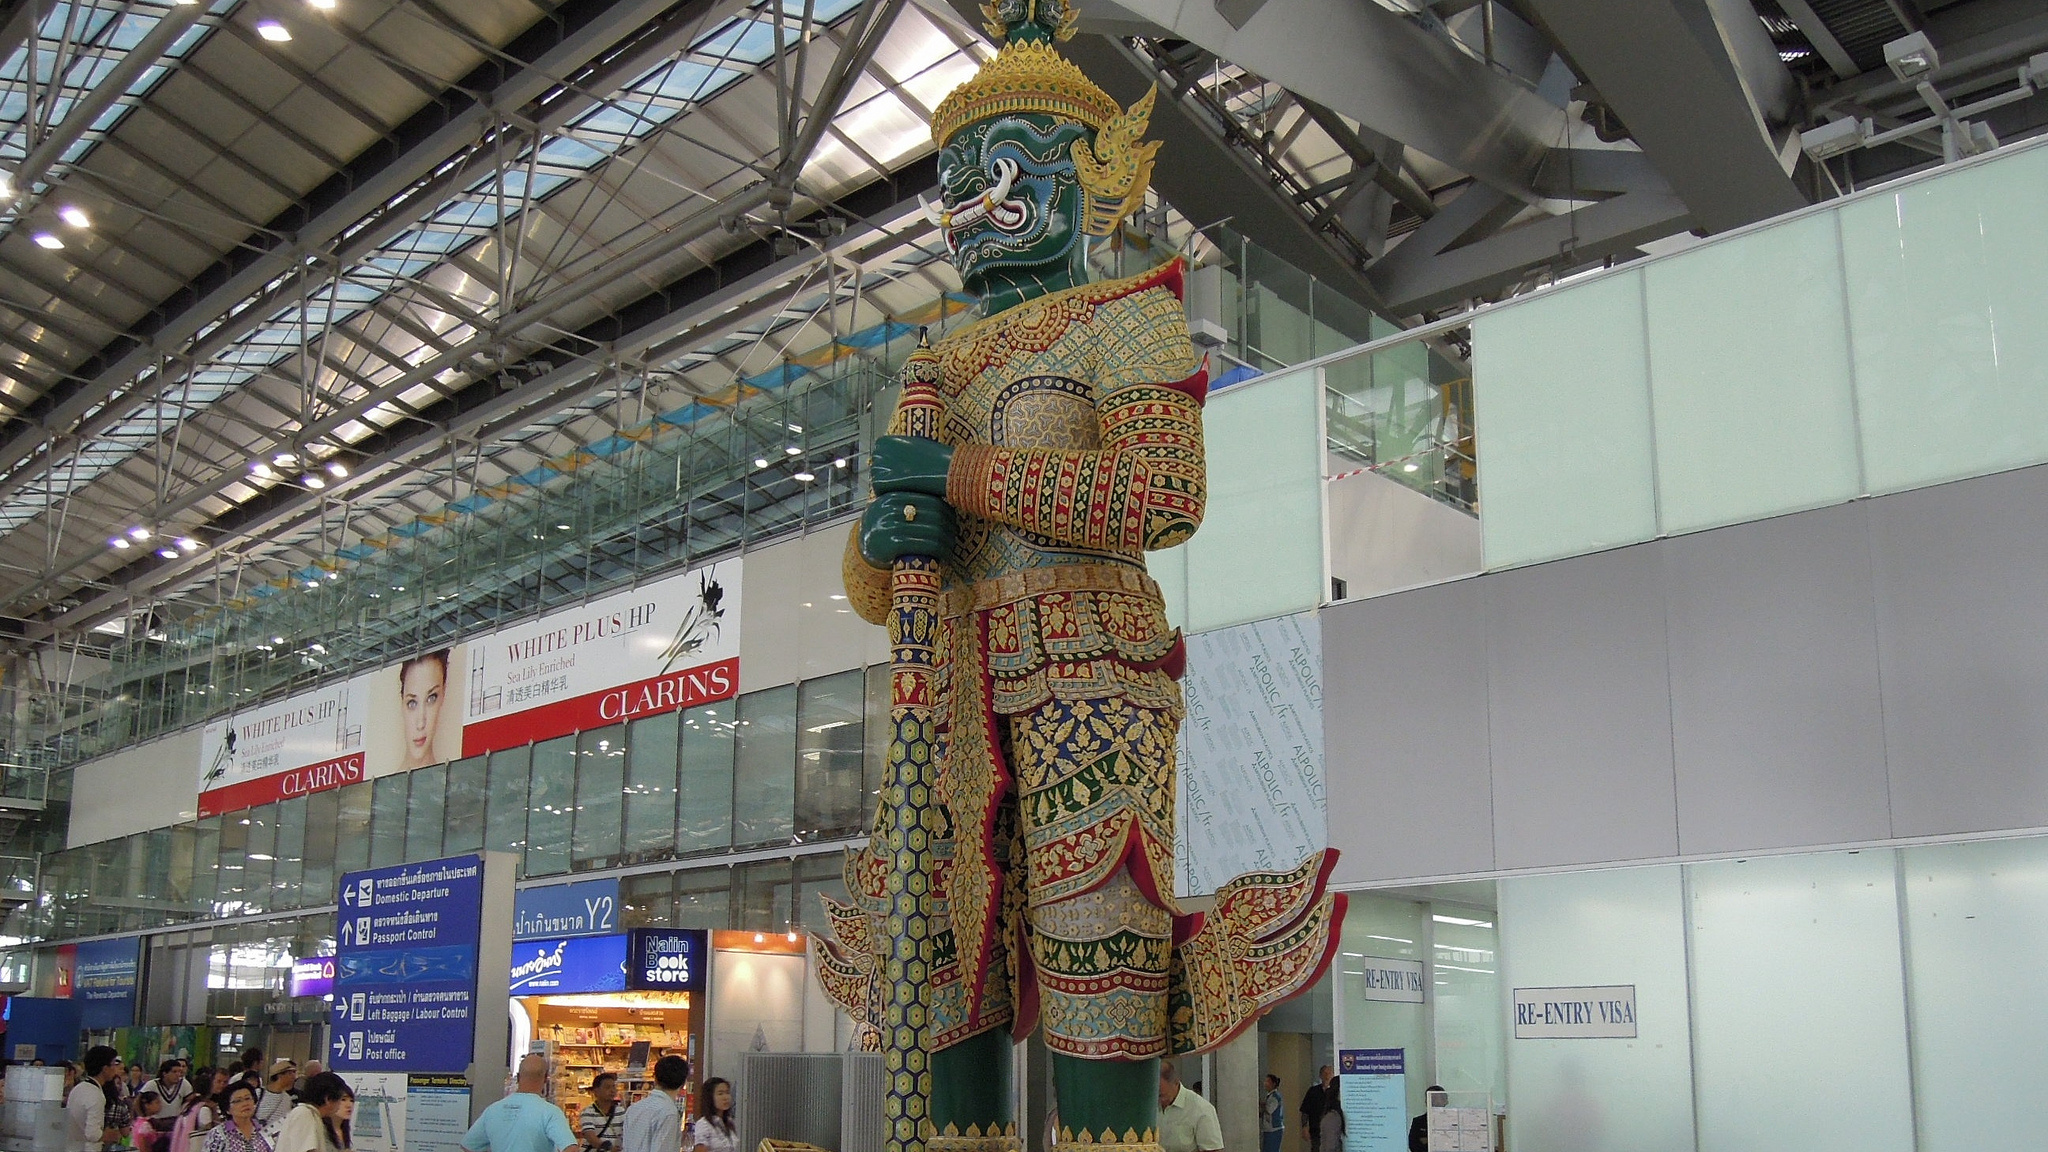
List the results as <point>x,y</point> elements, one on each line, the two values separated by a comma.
<point>151,786</point>
<point>1385,536</point>
<point>795,621</point>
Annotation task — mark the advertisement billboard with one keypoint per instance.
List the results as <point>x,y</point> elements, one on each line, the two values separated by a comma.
<point>665,645</point>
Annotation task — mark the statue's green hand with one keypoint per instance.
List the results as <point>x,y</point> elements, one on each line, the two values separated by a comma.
<point>909,464</point>
<point>899,524</point>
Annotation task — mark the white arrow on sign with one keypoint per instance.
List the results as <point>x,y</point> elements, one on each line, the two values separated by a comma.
<point>348,895</point>
<point>347,930</point>
<point>340,1045</point>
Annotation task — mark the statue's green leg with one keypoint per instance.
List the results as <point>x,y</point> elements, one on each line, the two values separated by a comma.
<point>973,1107</point>
<point>1111,1099</point>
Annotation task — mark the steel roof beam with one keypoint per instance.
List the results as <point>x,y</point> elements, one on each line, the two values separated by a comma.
<point>79,119</point>
<point>1388,72</point>
<point>678,312</point>
<point>576,34</point>
<point>1682,76</point>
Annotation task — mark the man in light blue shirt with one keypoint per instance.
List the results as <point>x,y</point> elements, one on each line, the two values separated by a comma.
<point>525,1121</point>
<point>655,1123</point>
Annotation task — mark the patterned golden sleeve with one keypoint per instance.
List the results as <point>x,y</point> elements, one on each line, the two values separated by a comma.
<point>1144,488</point>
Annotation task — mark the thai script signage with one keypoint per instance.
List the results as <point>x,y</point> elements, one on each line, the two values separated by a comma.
<point>589,908</point>
<point>406,967</point>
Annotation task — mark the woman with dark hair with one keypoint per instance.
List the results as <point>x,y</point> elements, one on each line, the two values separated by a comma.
<point>422,686</point>
<point>320,1123</point>
<point>239,1132</point>
<point>713,1131</point>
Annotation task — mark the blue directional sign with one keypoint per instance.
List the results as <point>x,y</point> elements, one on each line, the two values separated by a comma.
<point>405,975</point>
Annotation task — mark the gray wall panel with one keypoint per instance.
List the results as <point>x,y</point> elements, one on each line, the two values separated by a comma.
<point>1774,690</point>
<point>1404,724</point>
<point>1580,713</point>
<point>1962,608</point>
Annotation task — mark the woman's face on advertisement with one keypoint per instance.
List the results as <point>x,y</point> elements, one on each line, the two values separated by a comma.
<point>420,692</point>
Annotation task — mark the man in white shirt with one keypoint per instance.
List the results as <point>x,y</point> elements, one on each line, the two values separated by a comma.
<point>85,1110</point>
<point>171,1087</point>
<point>655,1124</point>
<point>1187,1122</point>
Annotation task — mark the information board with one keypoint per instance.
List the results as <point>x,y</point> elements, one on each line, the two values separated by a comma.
<point>405,981</point>
<point>436,1113</point>
<point>1372,1083</point>
<point>103,981</point>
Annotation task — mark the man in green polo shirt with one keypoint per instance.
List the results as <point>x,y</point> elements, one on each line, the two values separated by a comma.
<point>1187,1123</point>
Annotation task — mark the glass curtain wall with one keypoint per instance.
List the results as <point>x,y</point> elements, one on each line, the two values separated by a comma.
<point>785,765</point>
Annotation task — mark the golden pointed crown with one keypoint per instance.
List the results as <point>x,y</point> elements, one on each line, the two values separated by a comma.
<point>1026,76</point>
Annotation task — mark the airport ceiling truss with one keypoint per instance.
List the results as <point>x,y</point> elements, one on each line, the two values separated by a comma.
<point>279,276</point>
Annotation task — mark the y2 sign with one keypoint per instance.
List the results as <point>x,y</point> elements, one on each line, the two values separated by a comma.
<point>1601,1013</point>
<point>589,908</point>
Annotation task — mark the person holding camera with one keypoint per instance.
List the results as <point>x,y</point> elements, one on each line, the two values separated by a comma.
<point>598,1123</point>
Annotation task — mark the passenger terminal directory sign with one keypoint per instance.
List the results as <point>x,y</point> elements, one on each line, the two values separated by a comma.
<point>405,981</point>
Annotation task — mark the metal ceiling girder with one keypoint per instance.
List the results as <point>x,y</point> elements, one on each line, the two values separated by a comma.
<point>1208,181</point>
<point>573,36</point>
<point>79,119</point>
<point>655,320</point>
<point>1386,71</point>
<point>1667,69</point>
<point>1431,270</point>
<point>1822,37</point>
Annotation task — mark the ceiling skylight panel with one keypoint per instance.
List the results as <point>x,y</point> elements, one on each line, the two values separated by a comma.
<point>747,40</point>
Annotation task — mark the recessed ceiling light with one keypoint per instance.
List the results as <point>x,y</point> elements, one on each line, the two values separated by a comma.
<point>563,527</point>
<point>139,532</point>
<point>261,469</point>
<point>839,463</point>
<point>119,542</point>
<point>168,553</point>
<point>284,459</point>
<point>792,450</point>
<point>760,461</point>
<point>312,481</point>
<point>806,477</point>
<point>75,216</point>
<point>49,240</point>
<point>273,31</point>
<point>339,469</point>
<point>323,5</point>
<point>188,544</point>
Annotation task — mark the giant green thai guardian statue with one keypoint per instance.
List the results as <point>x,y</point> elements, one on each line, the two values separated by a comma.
<point>1020,874</point>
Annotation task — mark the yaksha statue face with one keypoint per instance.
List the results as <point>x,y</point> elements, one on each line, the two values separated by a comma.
<point>1012,197</point>
<point>1034,160</point>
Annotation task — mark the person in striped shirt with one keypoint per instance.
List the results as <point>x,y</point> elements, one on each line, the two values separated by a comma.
<point>601,1119</point>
